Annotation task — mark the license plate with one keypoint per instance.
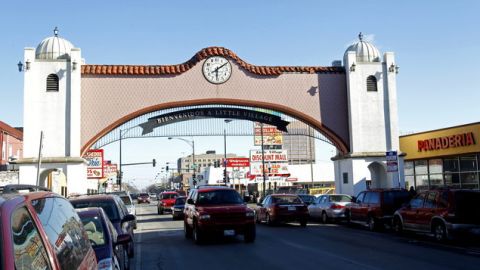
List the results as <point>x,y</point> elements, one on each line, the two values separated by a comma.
<point>292,208</point>
<point>229,232</point>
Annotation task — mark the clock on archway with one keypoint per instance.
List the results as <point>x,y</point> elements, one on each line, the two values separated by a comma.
<point>217,69</point>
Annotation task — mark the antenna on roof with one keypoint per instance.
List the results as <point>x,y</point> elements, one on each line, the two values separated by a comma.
<point>360,36</point>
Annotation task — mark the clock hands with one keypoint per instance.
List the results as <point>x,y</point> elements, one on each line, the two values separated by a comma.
<point>216,70</point>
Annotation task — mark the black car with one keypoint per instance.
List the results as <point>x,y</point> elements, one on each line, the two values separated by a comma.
<point>178,207</point>
<point>116,211</point>
<point>108,245</point>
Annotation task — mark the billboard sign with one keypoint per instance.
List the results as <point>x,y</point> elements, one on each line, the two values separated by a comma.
<point>276,163</point>
<point>94,163</point>
<point>109,170</point>
<point>271,135</point>
<point>392,161</point>
<point>238,162</point>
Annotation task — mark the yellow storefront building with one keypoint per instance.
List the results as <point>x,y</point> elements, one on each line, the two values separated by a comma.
<point>447,157</point>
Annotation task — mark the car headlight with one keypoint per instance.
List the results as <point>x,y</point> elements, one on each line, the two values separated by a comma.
<point>204,217</point>
<point>250,214</point>
<point>105,264</point>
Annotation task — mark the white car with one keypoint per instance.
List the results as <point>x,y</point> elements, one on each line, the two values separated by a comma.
<point>329,207</point>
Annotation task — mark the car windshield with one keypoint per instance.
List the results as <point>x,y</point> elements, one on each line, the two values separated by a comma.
<point>107,206</point>
<point>143,195</point>
<point>340,198</point>
<point>170,196</point>
<point>126,200</point>
<point>286,199</point>
<point>180,201</point>
<point>93,227</point>
<point>219,197</point>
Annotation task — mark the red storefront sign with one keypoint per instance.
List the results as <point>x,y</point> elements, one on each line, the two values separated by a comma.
<point>238,162</point>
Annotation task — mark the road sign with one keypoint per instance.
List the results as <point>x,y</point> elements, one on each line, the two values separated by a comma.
<point>392,161</point>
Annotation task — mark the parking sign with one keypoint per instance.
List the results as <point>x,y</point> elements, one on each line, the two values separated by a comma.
<point>392,161</point>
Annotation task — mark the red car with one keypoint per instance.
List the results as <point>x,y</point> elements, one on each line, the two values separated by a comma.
<point>25,217</point>
<point>217,211</point>
<point>282,208</point>
<point>444,213</point>
<point>166,201</point>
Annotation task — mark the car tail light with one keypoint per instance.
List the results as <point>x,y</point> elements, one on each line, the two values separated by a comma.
<point>337,206</point>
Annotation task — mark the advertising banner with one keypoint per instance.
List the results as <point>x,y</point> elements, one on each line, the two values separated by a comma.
<point>276,163</point>
<point>271,135</point>
<point>94,163</point>
<point>392,161</point>
<point>238,162</point>
<point>109,170</point>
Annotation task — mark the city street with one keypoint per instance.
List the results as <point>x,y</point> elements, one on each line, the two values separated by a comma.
<point>160,244</point>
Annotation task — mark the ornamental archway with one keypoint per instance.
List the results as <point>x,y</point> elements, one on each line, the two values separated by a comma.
<point>112,95</point>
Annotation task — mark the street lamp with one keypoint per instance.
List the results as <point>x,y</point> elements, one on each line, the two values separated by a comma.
<point>120,174</point>
<point>192,144</point>
<point>225,151</point>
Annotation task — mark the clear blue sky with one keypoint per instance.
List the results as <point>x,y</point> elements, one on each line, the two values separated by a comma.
<point>436,43</point>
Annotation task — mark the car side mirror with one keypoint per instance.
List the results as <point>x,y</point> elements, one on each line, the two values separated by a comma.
<point>190,201</point>
<point>123,239</point>
<point>128,218</point>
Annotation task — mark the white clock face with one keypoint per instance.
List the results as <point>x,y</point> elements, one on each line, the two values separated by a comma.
<point>217,69</point>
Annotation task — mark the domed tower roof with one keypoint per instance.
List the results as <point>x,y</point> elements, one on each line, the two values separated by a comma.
<point>366,52</point>
<point>53,48</point>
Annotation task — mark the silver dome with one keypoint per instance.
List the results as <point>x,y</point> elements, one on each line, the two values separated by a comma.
<point>53,48</point>
<point>366,52</point>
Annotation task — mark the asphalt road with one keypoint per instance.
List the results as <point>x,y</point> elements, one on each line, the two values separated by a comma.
<point>160,244</point>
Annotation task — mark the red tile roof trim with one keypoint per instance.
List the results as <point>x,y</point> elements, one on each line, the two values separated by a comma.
<point>203,54</point>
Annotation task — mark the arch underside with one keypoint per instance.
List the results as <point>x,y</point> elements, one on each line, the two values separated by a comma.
<point>300,125</point>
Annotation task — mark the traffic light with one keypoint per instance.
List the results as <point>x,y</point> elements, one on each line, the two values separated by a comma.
<point>166,168</point>
<point>224,176</point>
<point>154,162</point>
<point>194,182</point>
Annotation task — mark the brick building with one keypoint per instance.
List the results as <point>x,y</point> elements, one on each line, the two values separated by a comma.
<point>11,145</point>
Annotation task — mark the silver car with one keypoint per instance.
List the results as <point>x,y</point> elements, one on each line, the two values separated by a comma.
<point>329,207</point>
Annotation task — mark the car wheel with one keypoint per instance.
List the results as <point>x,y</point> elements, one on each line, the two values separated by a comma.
<point>397,225</point>
<point>303,223</point>
<point>131,249</point>
<point>439,232</point>
<point>371,223</point>
<point>250,235</point>
<point>160,212</point>
<point>324,217</point>
<point>197,235</point>
<point>187,231</point>
<point>269,220</point>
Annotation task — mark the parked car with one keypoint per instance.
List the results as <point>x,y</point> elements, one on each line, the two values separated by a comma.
<point>166,201</point>
<point>153,196</point>
<point>134,196</point>
<point>217,211</point>
<point>127,200</point>
<point>306,198</point>
<point>374,208</point>
<point>282,208</point>
<point>178,207</point>
<point>329,207</point>
<point>445,213</point>
<point>108,245</point>
<point>143,198</point>
<point>41,230</point>
<point>116,211</point>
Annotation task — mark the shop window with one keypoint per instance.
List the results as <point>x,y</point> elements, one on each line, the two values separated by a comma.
<point>371,84</point>
<point>468,163</point>
<point>421,167</point>
<point>435,166</point>
<point>450,165</point>
<point>469,180</point>
<point>410,181</point>
<point>408,168</point>
<point>422,182</point>
<point>452,180</point>
<point>436,180</point>
<point>52,83</point>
